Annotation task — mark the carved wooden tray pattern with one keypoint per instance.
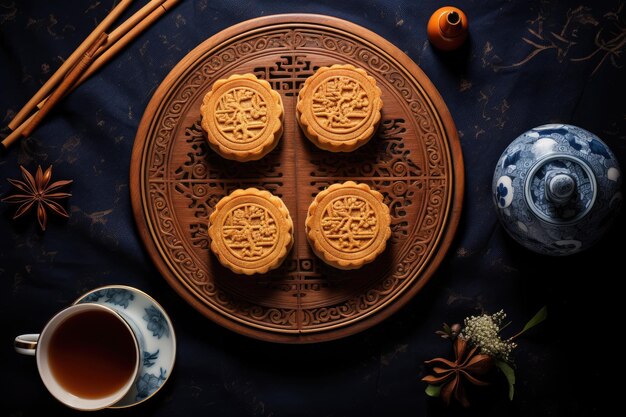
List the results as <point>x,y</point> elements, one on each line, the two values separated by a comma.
<point>414,161</point>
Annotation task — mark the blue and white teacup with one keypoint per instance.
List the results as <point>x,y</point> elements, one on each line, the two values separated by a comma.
<point>88,355</point>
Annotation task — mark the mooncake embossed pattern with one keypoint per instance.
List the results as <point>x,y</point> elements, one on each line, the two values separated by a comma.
<point>348,225</point>
<point>251,231</point>
<point>339,108</point>
<point>242,117</point>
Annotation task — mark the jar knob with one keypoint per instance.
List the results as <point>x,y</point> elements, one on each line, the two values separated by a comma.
<point>447,28</point>
<point>451,24</point>
<point>560,187</point>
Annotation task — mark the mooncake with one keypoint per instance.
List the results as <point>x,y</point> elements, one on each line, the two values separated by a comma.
<point>251,231</point>
<point>242,117</point>
<point>339,108</point>
<point>348,225</point>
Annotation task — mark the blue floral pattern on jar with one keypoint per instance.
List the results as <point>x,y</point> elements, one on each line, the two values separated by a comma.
<point>532,205</point>
<point>504,192</point>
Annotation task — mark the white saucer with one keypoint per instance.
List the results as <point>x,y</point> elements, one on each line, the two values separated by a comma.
<point>158,344</point>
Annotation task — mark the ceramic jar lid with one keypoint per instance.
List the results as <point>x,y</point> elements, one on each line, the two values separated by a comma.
<point>557,188</point>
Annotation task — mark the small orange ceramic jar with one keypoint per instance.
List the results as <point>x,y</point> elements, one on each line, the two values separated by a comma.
<point>447,28</point>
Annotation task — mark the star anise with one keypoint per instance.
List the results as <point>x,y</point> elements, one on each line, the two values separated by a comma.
<point>467,366</point>
<point>38,190</point>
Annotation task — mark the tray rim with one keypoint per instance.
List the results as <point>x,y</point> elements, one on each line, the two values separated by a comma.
<point>433,99</point>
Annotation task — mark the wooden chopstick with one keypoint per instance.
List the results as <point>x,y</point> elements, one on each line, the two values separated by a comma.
<point>68,64</point>
<point>67,83</point>
<point>124,34</point>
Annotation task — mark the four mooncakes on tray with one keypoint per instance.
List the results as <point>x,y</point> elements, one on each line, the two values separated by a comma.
<point>251,230</point>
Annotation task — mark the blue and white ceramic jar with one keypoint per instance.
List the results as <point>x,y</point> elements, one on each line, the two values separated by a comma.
<point>556,189</point>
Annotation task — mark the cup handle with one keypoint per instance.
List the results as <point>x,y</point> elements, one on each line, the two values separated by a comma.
<point>26,344</point>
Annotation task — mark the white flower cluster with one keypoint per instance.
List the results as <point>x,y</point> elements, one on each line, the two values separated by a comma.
<point>483,331</point>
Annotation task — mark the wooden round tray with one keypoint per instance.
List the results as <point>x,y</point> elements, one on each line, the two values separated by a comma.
<point>414,160</point>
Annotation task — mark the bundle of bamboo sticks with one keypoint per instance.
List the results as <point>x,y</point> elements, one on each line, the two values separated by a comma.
<point>94,52</point>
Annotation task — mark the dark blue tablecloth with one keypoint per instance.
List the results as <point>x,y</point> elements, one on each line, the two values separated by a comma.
<point>526,63</point>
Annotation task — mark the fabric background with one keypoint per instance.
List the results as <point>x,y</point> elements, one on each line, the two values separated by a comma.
<point>526,63</point>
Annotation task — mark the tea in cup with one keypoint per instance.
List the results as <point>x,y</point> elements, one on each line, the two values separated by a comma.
<point>88,356</point>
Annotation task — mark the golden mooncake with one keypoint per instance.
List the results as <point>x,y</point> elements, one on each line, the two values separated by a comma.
<point>339,108</point>
<point>251,231</point>
<point>243,117</point>
<point>348,225</point>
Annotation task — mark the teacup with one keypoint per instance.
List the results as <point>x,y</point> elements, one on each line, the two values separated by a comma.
<point>88,355</point>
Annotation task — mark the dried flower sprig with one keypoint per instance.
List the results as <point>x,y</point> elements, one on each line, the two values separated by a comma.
<point>484,332</point>
<point>478,346</point>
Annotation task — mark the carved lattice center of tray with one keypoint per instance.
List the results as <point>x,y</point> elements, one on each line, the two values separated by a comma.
<point>241,115</point>
<point>249,232</point>
<point>341,104</point>
<point>349,224</point>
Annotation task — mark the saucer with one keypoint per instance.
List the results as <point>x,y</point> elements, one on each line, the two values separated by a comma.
<point>158,339</point>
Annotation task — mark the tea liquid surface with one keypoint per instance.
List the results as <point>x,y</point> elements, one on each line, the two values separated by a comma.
<point>92,354</point>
